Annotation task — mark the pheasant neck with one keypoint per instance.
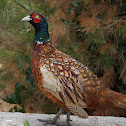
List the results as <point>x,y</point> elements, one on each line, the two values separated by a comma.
<point>41,34</point>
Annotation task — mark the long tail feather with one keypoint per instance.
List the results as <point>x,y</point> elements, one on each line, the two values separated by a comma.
<point>107,103</point>
<point>116,99</point>
<point>113,104</point>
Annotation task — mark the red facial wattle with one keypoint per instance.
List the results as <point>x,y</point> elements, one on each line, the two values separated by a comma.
<point>36,18</point>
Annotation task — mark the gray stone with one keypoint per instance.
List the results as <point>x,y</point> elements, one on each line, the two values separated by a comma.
<point>18,119</point>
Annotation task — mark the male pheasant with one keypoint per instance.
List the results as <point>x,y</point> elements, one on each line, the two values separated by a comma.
<point>65,80</point>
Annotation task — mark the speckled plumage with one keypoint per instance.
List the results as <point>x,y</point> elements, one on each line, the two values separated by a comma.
<point>58,74</point>
<point>70,83</point>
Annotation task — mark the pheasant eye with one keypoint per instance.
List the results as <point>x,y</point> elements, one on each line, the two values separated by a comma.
<point>36,18</point>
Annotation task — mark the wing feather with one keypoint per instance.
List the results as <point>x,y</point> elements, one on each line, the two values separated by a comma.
<point>63,78</point>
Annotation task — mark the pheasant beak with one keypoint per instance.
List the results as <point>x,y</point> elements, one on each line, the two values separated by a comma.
<point>27,18</point>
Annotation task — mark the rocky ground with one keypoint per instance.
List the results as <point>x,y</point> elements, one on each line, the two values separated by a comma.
<point>18,119</point>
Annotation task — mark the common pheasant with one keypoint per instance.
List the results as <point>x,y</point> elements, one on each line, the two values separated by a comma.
<point>67,81</point>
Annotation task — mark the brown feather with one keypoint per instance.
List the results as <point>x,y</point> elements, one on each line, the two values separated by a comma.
<point>71,84</point>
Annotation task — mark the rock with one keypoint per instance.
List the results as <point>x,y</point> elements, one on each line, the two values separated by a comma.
<point>18,119</point>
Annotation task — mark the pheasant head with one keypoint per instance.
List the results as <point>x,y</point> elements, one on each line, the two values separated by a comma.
<point>41,27</point>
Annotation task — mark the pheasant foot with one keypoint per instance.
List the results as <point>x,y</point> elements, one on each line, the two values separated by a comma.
<point>54,120</point>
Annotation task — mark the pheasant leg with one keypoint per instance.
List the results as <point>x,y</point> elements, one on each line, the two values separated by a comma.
<point>54,120</point>
<point>67,123</point>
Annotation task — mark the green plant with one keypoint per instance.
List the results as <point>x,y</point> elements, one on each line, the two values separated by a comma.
<point>16,98</point>
<point>15,50</point>
<point>26,123</point>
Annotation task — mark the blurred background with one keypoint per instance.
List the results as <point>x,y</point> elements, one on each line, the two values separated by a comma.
<point>91,31</point>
